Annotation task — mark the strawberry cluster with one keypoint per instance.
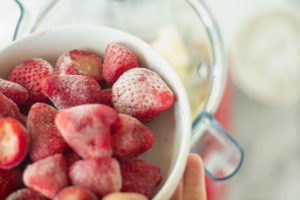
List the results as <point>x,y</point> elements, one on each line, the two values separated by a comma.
<point>76,130</point>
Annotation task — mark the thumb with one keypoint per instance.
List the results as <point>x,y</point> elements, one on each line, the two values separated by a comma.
<point>124,196</point>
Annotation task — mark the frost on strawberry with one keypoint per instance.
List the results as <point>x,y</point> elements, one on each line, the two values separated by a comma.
<point>86,129</point>
<point>102,176</point>
<point>130,137</point>
<point>66,91</point>
<point>30,75</point>
<point>79,62</point>
<point>46,139</point>
<point>117,60</point>
<point>47,176</point>
<point>141,93</point>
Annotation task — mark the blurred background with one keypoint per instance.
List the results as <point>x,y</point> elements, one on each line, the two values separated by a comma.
<point>260,106</point>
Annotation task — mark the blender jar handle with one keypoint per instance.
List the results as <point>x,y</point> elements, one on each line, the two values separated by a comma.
<point>221,154</point>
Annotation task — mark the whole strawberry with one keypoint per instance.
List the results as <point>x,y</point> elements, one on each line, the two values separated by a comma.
<point>14,91</point>
<point>117,60</point>
<point>141,93</point>
<point>30,74</point>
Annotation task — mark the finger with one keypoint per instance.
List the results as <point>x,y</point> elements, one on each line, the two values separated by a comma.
<point>193,179</point>
<point>178,192</point>
<point>124,196</point>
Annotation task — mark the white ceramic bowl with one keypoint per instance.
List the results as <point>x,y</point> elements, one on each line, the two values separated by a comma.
<point>172,129</point>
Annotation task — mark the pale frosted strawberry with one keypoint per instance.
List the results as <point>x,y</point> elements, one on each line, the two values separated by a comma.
<point>26,194</point>
<point>141,93</point>
<point>47,176</point>
<point>117,60</point>
<point>46,139</point>
<point>130,137</point>
<point>14,143</point>
<point>102,176</point>
<point>86,129</point>
<point>80,62</point>
<point>14,91</point>
<point>76,193</point>
<point>140,176</point>
<point>30,75</point>
<point>66,91</point>
<point>10,180</point>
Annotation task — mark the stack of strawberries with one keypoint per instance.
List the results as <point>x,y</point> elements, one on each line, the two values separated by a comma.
<point>63,135</point>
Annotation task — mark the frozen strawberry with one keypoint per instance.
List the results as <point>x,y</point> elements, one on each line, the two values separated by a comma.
<point>117,60</point>
<point>75,193</point>
<point>79,62</point>
<point>14,91</point>
<point>71,157</point>
<point>102,176</point>
<point>86,129</point>
<point>47,176</point>
<point>26,194</point>
<point>106,97</point>
<point>141,93</point>
<point>130,137</point>
<point>10,180</point>
<point>14,143</point>
<point>8,108</point>
<point>139,176</point>
<point>66,91</point>
<point>46,140</point>
<point>30,74</point>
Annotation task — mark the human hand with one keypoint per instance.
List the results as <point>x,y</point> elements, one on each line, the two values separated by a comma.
<point>191,186</point>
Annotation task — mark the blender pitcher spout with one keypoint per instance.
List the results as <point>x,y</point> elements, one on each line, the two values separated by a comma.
<point>221,154</point>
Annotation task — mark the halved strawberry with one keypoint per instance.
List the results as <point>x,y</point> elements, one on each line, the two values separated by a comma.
<point>14,143</point>
<point>140,176</point>
<point>30,74</point>
<point>80,62</point>
<point>66,91</point>
<point>130,137</point>
<point>141,93</point>
<point>14,91</point>
<point>26,194</point>
<point>117,60</point>
<point>47,176</point>
<point>10,180</point>
<point>75,193</point>
<point>102,176</point>
<point>86,129</point>
<point>46,140</point>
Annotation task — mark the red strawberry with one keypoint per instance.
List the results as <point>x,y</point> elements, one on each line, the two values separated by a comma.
<point>139,176</point>
<point>26,194</point>
<point>75,193</point>
<point>10,180</point>
<point>141,93</point>
<point>86,129</point>
<point>106,97</point>
<point>66,91</point>
<point>30,74</point>
<point>79,62</point>
<point>47,176</point>
<point>117,60</point>
<point>102,176</point>
<point>46,140</point>
<point>8,108</point>
<point>130,137</point>
<point>71,157</point>
<point>14,143</point>
<point>14,91</point>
